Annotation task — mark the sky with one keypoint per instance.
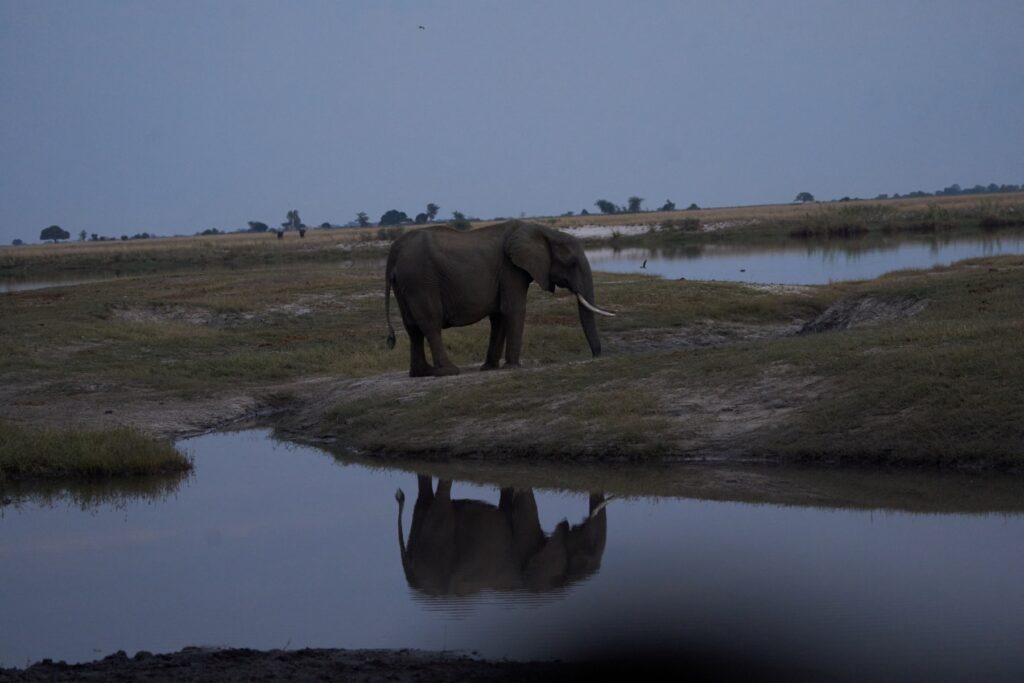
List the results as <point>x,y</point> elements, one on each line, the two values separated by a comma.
<point>175,117</point>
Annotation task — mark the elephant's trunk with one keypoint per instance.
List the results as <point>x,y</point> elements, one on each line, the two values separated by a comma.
<point>587,321</point>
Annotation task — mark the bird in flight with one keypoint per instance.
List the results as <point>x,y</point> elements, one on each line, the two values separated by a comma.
<point>644,264</point>
<point>423,28</point>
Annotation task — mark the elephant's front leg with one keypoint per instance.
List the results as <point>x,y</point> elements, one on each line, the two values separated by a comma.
<point>513,308</point>
<point>496,344</point>
<point>514,337</point>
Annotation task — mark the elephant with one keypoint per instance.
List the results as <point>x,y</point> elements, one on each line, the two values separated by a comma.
<point>446,278</point>
<point>461,547</point>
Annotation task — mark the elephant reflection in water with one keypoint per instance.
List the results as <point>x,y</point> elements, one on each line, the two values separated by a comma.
<point>460,547</point>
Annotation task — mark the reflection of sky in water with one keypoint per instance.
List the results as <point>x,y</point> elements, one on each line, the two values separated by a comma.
<point>272,546</point>
<point>805,265</point>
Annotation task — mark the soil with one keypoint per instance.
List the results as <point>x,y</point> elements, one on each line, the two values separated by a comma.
<point>862,311</point>
<point>206,664</point>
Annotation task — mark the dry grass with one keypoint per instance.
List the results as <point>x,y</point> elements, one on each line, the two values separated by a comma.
<point>786,212</point>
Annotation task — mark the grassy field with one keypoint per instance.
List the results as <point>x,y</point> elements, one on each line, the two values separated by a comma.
<point>941,388</point>
<point>696,370</point>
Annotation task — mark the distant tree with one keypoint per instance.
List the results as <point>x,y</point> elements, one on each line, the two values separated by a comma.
<point>605,206</point>
<point>94,237</point>
<point>211,231</point>
<point>633,204</point>
<point>568,213</point>
<point>124,237</point>
<point>693,207</point>
<point>17,242</point>
<point>292,222</point>
<point>669,205</point>
<point>882,196</point>
<point>82,235</point>
<point>432,210</point>
<point>325,225</point>
<point>460,224</point>
<point>804,197</point>
<point>421,218</point>
<point>394,217</point>
<point>257,226</point>
<point>55,233</point>
<point>458,215</point>
<point>584,212</point>
<point>363,219</point>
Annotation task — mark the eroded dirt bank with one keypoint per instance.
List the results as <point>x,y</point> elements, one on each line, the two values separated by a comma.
<point>206,664</point>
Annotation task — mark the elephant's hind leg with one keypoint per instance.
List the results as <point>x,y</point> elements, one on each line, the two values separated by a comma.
<point>442,365</point>
<point>418,366</point>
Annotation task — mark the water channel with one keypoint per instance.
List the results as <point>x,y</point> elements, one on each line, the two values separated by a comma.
<point>801,263</point>
<point>272,545</point>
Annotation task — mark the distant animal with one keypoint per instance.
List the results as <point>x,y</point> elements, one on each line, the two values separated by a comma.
<point>280,234</point>
<point>644,265</point>
<point>423,28</point>
<point>446,278</point>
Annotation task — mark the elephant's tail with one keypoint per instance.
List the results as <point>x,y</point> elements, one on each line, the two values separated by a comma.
<point>400,497</point>
<point>387,301</point>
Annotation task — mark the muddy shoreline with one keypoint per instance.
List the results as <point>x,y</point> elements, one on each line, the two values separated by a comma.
<point>214,664</point>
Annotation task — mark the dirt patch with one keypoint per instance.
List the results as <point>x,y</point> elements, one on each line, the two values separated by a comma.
<point>216,664</point>
<point>697,334</point>
<point>172,313</point>
<point>208,664</point>
<point>864,311</point>
<point>196,315</point>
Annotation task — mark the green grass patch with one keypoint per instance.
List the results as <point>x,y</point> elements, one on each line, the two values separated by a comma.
<point>34,453</point>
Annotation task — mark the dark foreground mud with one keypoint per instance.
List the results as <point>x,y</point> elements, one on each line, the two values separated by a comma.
<point>204,664</point>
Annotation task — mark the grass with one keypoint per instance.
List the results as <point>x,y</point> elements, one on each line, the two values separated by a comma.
<point>191,253</point>
<point>29,453</point>
<point>939,389</point>
<point>691,369</point>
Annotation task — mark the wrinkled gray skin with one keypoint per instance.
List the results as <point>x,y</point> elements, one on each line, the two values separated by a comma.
<point>446,278</point>
<point>460,547</point>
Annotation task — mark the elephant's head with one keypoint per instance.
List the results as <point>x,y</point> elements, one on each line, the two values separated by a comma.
<point>554,259</point>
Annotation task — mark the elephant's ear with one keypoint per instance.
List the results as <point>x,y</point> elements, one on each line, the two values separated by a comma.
<point>528,248</point>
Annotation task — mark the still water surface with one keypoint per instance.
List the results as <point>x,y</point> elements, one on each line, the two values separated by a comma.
<point>269,545</point>
<point>800,264</point>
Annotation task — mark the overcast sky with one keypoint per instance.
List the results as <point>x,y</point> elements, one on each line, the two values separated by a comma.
<point>174,117</point>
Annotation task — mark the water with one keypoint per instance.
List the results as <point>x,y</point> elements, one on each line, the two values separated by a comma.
<point>268,545</point>
<point>807,264</point>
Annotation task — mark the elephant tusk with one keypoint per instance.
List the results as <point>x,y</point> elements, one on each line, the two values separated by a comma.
<point>601,506</point>
<point>586,304</point>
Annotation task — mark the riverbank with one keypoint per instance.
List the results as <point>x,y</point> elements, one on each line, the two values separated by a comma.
<point>867,221</point>
<point>918,368</point>
<point>222,664</point>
